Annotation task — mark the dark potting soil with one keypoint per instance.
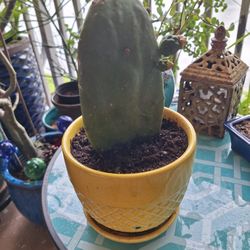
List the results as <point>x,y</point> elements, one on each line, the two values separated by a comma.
<point>139,156</point>
<point>45,150</point>
<point>244,128</point>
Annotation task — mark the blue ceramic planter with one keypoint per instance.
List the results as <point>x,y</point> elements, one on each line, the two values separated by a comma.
<point>26,195</point>
<point>240,143</point>
<point>28,77</point>
<point>49,117</point>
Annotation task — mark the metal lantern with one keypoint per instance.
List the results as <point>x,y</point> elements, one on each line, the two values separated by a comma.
<point>211,87</point>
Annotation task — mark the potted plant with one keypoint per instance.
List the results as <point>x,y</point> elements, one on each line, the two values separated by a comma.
<point>23,171</point>
<point>49,119</point>
<point>239,131</point>
<point>121,94</point>
<point>25,65</point>
<point>66,99</point>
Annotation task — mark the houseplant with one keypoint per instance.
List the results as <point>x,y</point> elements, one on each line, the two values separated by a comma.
<point>25,65</point>
<point>121,96</point>
<point>239,131</point>
<point>25,192</point>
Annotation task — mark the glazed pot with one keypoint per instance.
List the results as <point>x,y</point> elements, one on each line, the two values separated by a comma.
<point>49,118</point>
<point>28,77</point>
<point>239,142</point>
<point>169,86</point>
<point>26,195</point>
<point>72,110</point>
<point>68,93</point>
<point>131,203</point>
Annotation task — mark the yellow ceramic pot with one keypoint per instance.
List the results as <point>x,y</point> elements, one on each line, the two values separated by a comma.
<point>131,203</point>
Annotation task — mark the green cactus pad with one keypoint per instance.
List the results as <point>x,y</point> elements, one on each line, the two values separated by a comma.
<point>120,86</point>
<point>169,45</point>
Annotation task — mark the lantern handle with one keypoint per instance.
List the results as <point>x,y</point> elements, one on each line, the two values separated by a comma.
<point>219,42</point>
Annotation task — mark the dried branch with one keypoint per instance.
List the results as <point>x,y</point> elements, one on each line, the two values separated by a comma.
<point>17,133</point>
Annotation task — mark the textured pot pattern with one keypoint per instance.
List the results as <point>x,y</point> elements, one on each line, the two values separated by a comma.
<point>131,202</point>
<point>28,77</point>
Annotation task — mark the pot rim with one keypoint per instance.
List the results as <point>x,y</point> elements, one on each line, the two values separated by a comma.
<point>189,130</point>
<point>62,105</point>
<point>27,184</point>
<point>18,45</point>
<point>230,126</point>
<point>66,85</point>
<point>47,125</point>
<point>11,180</point>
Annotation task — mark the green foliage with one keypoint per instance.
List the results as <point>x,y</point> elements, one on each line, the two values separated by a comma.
<point>10,19</point>
<point>244,107</point>
<point>72,40</point>
<point>191,18</point>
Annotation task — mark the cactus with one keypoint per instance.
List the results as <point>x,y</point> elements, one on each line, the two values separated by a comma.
<point>120,83</point>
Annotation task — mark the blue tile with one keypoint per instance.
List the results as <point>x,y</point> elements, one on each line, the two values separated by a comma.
<point>204,154</point>
<point>200,167</point>
<point>228,185</point>
<point>172,246</point>
<point>199,180</point>
<point>245,176</point>
<point>225,172</point>
<point>227,156</point>
<point>246,193</point>
<point>64,226</point>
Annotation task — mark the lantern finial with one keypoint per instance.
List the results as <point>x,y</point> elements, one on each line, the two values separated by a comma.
<point>219,42</point>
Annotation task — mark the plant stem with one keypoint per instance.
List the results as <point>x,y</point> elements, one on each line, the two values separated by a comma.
<point>8,13</point>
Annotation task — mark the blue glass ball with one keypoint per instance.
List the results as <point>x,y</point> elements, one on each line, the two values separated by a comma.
<point>63,122</point>
<point>7,149</point>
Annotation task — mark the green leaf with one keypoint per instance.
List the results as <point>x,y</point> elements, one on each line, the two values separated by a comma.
<point>173,10</point>
<point>231,27</point>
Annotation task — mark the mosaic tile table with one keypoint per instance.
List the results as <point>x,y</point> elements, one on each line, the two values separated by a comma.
<point>215,212</point>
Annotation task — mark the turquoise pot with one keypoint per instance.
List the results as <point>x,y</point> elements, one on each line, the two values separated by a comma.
<point>49,118</point>
<point>169,86</point>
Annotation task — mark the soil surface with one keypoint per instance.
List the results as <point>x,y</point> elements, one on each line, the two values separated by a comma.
<point>244,128</point>
<point>46,151</point>
<point>139,156</point>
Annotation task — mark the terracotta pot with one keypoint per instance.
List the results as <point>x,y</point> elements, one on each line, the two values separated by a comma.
<point>131,203</point>
<point>68,93</point>
<point>72,110</point>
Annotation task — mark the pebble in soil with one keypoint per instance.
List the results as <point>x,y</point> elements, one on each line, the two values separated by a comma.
<point>139,156</point>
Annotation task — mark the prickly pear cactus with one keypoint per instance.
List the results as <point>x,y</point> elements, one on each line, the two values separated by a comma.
<point>120,85</point>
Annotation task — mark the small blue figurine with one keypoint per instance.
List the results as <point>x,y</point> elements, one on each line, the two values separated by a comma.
<point>7,149</point>
<point>63,122</point>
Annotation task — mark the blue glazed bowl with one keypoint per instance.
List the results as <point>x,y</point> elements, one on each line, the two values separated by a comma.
<point>26,195</point>
<point>49,117</point>
<point>239,142</point>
